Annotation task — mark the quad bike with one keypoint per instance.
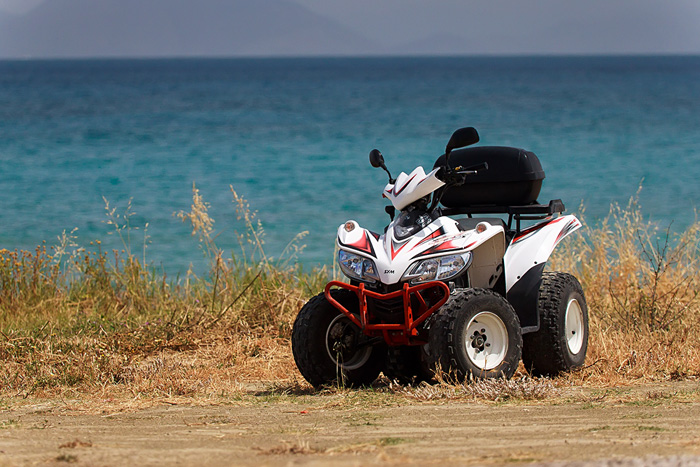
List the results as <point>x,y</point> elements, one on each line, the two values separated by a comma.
<point>443,291</point>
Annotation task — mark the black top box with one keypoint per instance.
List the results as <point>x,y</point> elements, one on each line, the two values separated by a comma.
<point>513,178</point>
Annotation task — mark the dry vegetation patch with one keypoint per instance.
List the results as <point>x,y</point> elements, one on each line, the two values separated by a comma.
<point>642,286</point>
<point>521,388</point>
<point>83,322</point>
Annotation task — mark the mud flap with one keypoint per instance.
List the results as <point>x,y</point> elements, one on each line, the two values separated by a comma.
<point>524,296</point>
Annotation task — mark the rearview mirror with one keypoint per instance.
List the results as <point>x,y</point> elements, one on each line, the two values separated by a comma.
<point>376,158</point>
<point>462,137</point>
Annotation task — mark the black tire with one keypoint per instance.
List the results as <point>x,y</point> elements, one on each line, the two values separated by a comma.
<point>553,349</point>
<point>329,349</point>
<point>409,364</point>
<point>472,326</point>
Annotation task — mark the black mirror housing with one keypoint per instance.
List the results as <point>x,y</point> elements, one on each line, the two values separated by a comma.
<point>376,158</point>
<point>461,138</point>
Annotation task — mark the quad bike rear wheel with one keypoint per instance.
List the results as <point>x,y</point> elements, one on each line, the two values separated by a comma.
<point>562,340</point>
<point>330,349</point>
<point>476,335</point>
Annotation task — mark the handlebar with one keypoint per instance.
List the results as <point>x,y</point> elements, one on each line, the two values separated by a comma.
<point>457,176</point>
<point>475,168</point>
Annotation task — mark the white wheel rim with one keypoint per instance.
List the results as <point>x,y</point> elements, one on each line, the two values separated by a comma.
<point>574,326</point>
<point>358,359</point>
<point>486,340</point>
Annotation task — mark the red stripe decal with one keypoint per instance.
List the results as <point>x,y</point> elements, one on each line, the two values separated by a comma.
<point>363,244</point>
<point>394,253</point>
<point>397,193</point>
<point>527,232</point>
<point>435,234</point>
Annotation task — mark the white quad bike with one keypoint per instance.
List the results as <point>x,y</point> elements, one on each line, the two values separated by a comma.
<point>467,296</point>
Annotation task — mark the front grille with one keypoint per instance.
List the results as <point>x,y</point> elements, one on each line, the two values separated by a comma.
<point>388,311</point>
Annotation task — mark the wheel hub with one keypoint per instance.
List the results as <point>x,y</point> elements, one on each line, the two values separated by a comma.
<point>479,340</point>
<point>573,325</point>
<point>344,344</point>
<point>486,340</point>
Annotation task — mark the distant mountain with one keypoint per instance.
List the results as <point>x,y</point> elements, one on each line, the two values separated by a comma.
<point>143,28</point>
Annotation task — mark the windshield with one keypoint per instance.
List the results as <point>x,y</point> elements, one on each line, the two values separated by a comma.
<point>409,222</point>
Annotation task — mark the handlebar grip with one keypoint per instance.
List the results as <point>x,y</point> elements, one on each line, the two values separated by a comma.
<point>477,167</point>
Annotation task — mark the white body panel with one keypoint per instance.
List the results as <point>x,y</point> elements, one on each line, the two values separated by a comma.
<point>411,187</point>
<point>442,236</point>
<point>393,257</point>
<point>487,263</point>
<point>534,245</point>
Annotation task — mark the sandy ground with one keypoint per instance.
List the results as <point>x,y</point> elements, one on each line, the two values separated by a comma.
<point>649,425</point>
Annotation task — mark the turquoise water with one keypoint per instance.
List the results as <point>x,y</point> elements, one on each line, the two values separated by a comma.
<point>292,136</point>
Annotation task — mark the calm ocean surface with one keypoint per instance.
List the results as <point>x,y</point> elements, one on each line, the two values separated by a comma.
<point>292,136</point>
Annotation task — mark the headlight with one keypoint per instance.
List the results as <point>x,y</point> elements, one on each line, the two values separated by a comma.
<point>438,269</point>
<point>408,223</point>
<point>401,231</point>
<point>357,267</point>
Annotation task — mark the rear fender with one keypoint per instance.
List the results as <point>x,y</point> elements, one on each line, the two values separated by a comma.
<point>524,263</point>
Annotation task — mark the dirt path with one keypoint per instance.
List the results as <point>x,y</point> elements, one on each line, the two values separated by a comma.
<point>321,429</point>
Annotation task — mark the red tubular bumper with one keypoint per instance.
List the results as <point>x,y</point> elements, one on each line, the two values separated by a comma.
<point>405,333</point>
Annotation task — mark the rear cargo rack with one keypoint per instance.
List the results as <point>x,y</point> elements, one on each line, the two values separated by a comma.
<point>527,212</point>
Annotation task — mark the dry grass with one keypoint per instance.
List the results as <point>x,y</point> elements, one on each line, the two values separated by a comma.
<point>523,388</point>
<point>88,323</point>
<point>642,285</point>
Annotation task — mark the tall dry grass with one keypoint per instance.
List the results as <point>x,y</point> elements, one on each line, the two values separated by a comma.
<point>84,321</point>
<point>641,282</point>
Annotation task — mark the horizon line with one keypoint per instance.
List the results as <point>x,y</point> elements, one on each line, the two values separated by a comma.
<point>352,56</point>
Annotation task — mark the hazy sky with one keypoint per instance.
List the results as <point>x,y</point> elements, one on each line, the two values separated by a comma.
<point>527,25</point>
<point>19,6</point>
<point>494,26</point>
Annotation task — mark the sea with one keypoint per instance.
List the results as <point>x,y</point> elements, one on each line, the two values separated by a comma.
<point>292,136</point>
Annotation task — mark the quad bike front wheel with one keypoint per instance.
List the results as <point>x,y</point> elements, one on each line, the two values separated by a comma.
<point>562,340</point>
<point>476,335</point>
<point>329,349</point>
